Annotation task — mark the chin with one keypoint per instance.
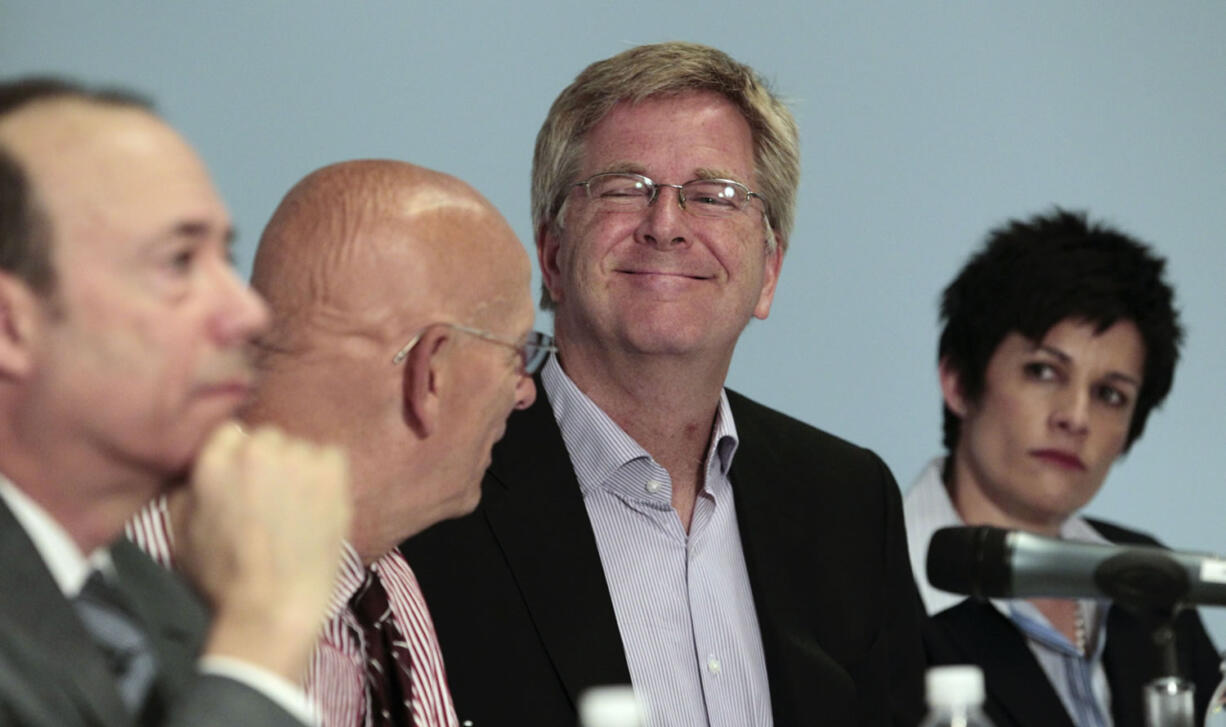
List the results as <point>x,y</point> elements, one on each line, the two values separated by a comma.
<point>657,340</point>
<point>469,501</point>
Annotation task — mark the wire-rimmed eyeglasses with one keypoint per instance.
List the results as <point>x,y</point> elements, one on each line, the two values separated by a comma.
<point>625,191</point>
<point>532,352</point>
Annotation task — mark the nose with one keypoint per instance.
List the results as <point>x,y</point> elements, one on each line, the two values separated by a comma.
<point>1071,411</point>
<point>240,313</point>
<point>525,392</point>
<point>666,223</point>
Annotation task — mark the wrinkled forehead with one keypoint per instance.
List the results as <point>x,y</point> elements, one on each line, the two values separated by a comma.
<point>403,254</point>
<point>100,168</point>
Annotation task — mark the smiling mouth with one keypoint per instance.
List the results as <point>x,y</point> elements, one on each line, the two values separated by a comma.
<point>1060,458</point>
<point>665,274</point>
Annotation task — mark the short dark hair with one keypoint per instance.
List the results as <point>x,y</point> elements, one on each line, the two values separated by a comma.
<point>25,231</point>
<point>1032,274</point>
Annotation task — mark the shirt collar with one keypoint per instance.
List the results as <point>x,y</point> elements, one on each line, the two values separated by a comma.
<point>67,564</point>
<point>349,577</point>
<point>926,509</point>
<point>598,446</point>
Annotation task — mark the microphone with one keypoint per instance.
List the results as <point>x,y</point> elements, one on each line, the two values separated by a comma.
<point>988,562</point>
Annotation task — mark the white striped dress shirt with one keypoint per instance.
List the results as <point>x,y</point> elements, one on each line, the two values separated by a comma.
<point>335,681</point>
<point>682,601</point>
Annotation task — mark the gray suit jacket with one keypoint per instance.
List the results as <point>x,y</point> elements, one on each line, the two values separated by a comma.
<point>51,675</point>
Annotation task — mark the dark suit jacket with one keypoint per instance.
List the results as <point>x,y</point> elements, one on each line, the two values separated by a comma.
<point>51,674</point>
<point>1018,692</point>
<point>526,622</point>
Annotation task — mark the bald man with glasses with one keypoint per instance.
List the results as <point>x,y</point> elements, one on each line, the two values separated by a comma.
<point>401,330</point>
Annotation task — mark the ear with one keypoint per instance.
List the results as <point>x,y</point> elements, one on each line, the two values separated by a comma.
<point>20,313</point>
<point>548,243</point>
<point>951,388</point>
<point>770,279</point>
<point>424,376</point>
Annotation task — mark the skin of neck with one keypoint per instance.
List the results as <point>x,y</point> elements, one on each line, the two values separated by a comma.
<point>381,472</point>
<point>89,492</point>
<point>976,507</point>
<point>666,403</point>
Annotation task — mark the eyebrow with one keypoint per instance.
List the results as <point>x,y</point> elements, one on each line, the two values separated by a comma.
<point>624,168</point>
<point>193,230</point>
<point>708,173</point>
<point>1065,358</point>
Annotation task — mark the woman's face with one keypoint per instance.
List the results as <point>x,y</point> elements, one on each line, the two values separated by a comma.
<point>1053,418</point>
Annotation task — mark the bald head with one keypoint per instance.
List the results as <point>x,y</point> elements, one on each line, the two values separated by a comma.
<point>373,249</point>
<point>361,258</point>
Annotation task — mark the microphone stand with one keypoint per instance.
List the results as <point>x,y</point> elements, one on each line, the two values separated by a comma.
<point>1151,588</point>
<point>1168,698</point>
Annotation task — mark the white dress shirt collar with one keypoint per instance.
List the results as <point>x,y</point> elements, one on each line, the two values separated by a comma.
<point>68,565</point>
<point>578,416</point>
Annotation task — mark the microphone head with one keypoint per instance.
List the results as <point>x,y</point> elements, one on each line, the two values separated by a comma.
<point>970,560</point>
<point>1143,578</point>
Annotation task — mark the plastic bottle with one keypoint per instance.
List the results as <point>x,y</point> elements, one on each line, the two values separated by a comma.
<point>613,706</point>
<point>955,697</point>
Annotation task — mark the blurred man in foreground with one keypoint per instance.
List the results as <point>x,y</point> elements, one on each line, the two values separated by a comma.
<point>401,330</point>
<point>123,333</point>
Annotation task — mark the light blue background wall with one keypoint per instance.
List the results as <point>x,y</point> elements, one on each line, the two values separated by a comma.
<point>923,124</point>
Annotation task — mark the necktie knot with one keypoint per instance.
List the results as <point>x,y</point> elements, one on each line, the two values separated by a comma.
<point>369,604</point>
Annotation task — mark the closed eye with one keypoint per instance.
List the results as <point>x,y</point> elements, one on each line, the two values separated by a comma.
<point>712,201</point>
<point>626,192</point>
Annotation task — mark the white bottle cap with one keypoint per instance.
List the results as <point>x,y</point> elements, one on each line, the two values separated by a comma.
<point>951,685</point>
<point>613,706</point>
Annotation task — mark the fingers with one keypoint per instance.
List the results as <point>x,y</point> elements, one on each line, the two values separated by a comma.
<point>263,525</point>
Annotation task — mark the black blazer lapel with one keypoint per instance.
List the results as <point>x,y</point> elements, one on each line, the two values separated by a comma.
<point>535,510</point>
<point>772,540</point>
<point>42,625</point>
<point>974,632</point>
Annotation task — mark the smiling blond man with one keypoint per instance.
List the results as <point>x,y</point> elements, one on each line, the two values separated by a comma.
<point>641,523</point>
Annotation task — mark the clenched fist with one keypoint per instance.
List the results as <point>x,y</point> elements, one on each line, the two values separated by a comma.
<point>259,532</point>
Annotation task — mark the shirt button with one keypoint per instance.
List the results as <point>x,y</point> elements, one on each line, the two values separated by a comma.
<point>653,486</point>
<point>713,665</point>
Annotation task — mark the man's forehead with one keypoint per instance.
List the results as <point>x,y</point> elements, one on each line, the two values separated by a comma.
<point>41,131</point>
<point>713,126</point>
<point>94,162</point>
